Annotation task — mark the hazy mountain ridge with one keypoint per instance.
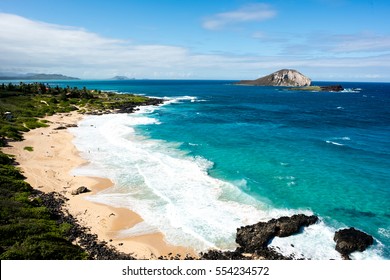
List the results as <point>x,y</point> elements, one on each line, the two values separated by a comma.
<point>35,76</point>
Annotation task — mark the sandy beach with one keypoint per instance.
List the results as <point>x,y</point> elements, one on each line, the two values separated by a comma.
<point>48,168</point>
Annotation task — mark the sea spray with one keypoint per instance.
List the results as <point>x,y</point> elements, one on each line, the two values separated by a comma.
<point>169,189</point>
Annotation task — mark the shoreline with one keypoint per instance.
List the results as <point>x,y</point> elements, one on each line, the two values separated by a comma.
<point>48,168</point>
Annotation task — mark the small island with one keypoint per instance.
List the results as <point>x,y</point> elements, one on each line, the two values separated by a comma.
<point>289,78</point>
<point>284,78</point>
<point>330,88</point>
<point>121,78</point>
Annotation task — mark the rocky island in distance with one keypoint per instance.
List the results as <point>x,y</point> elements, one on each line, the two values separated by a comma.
<point>284,78</point>
<point>289,78</point>
<point>121,78</point>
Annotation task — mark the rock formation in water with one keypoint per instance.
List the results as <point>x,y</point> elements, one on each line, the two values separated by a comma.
<point>350,240</point>
<point>258,236</point>
<point>253,240</point>
<point>332,88</point>
<point>284,77</point>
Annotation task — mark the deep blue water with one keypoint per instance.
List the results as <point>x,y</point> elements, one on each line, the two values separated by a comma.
<point>327,152</point>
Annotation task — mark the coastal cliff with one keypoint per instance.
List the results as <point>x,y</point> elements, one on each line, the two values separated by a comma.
<point>284,77</point>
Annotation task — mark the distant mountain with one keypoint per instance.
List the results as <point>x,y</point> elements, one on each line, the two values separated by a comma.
<point>121,78</point>
<point>284,77</point>
<point>36,76</point>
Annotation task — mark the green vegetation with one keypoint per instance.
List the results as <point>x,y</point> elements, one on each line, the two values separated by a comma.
<point>27,229</point>
<point>23,106</point>
<point>28,148</point>
<point>307,88</point>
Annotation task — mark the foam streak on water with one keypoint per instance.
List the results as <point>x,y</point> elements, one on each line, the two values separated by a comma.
<point>173,191</point>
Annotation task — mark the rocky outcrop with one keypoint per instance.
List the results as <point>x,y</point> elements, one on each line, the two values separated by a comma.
<point>258,236</point>
<point>284,77</point>
<point>332,88</point>
<point>350,240</point>
<point>131,107</point>
<point>254,239</point>
<point>80,190</point>
<point>78,234</point>
<point>126,107</point>
<point>240,254</point>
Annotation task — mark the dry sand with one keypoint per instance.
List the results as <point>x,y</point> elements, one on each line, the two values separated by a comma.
<point>48,168</point>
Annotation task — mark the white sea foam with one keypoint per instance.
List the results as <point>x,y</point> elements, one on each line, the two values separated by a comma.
<point>344,138</point>
<point>193,144</point>
<point>334,143</point>
<point>333,140</point>
<point>384,232</point>
<point>315,242</point>
<point>172,191</point>
<point>290,180</point>
<point>180,99</point>
<point>137,230</point>
<point>353,90</point>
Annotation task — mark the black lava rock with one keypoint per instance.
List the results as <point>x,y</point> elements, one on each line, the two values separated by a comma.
<point>350,240</point>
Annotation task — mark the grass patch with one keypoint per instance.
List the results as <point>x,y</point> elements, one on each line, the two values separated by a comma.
<point>307,88</point>
<point>28,148</point>
<point>28,229</point>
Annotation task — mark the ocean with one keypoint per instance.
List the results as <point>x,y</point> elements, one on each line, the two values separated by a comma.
<point>217,156</point>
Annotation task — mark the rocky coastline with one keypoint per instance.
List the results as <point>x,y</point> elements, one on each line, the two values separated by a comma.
<point>80,235</point>
<point>254,240</point>
<point>126,107</point>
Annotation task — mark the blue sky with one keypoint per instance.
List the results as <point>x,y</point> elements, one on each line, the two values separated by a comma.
<point>336,40</point>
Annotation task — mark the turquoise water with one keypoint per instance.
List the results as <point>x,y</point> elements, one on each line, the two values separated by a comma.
<point>246,154</point>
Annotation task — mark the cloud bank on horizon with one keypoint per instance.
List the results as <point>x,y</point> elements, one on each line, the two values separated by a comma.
<point>28,45</point>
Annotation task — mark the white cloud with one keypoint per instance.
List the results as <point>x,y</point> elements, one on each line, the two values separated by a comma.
<point>360,42</point>
<point>32,46</point>
<point>253,12</point>
<point>37,46</point>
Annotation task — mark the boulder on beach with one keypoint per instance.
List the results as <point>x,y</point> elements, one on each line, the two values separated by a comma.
<point>80,190</point>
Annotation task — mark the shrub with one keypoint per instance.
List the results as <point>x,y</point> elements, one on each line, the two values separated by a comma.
<point>28,148</point>
<point>28,230</point>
